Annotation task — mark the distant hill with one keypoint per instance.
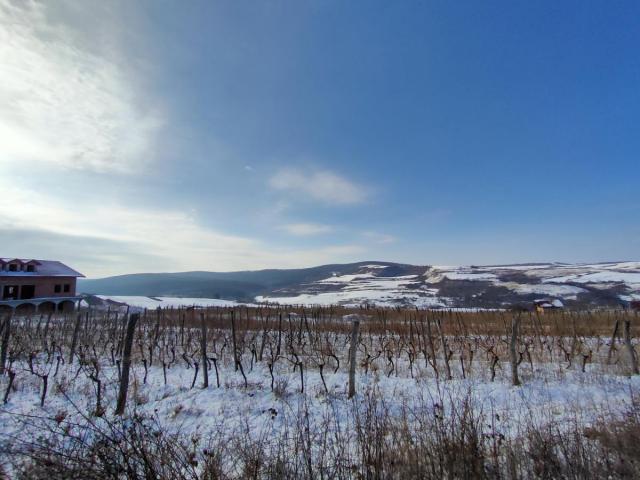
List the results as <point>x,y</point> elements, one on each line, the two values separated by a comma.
<point>394,284</point>
<point>242,285</point>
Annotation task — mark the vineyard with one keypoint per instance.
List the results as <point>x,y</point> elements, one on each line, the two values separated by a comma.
<point>277,392</point>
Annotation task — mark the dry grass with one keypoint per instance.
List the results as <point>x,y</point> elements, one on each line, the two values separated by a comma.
<point>427,441</point>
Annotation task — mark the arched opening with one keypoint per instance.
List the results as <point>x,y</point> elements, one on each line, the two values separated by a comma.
<point>25,309</point>
<point>47,307</point>
<point>66,306</point>
<point>5,310</point>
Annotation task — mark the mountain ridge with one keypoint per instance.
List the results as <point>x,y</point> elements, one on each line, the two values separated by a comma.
<point>394,284</point>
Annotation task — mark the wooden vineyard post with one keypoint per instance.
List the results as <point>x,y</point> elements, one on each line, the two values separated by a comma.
<point>203,347</point>
<point>613,341</point>
<point>515,323</point>
<point>233,339</point>
<point>6,331</point>
<point>432,349</point>
<point>74,340</point>
<point>352,358</point>
<point>633,359</point>
<point>445,352</point>
<point>126,363</point>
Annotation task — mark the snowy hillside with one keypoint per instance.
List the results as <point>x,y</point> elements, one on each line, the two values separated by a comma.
<point>606,284</point>
<point>384,283</point>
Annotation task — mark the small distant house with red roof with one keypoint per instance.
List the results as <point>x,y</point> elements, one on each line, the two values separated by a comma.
<point>45,285</point>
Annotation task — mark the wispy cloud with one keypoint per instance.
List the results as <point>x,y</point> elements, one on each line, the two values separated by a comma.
<point>71,107</point>
<point>380,238</point>
<point>325,186</point>
<point>154,240</point>
<point>62,103</point>
<point>306,229</point>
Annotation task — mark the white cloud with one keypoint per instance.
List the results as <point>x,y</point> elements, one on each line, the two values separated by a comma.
<point>306,229</point>
<point>62,103</point>
<point>380,238</point>
<point>68,108</point>
<point>324,186</point>
<point>154,240</point>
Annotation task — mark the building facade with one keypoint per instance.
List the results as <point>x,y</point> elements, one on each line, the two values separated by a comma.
<point>41,285</point>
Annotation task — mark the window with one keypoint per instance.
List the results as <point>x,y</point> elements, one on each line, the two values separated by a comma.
<point>10,292</point>
<point>31,268</point>
<point>57,288</point>
<point>27,291</point>
<point>13,267</point>
<point>66,287</point>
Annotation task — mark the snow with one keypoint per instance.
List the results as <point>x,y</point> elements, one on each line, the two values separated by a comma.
<point>469,276</point>
<point>519,267</point>
<point>551,391</point>
<point>366,286</point>
<point>385,283</point>
<point>168,302</point>
<point>598,277</point>
<point>542,289</point>
<point>437,274</point>
<point>630,298</point>
<point>614,266</point>
<point>345,278</point>
<point>360,289</point>
<point>548,392</point>
<point>355,298</point>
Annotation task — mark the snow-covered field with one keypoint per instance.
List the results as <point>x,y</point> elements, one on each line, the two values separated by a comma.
<point>547,390</point>
<point>279,391</point>
<point>167,302</point>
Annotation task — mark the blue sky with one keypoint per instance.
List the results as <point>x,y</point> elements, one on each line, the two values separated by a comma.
<point>168,136</point>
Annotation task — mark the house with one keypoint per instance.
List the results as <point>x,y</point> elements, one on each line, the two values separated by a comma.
<point>40,285</point>
<point>545,304</point>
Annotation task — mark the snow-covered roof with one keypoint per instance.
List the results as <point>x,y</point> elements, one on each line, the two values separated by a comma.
<point>549,303</point>
<point>26,261</point>
<point>45,268</point>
